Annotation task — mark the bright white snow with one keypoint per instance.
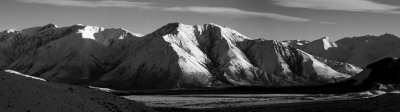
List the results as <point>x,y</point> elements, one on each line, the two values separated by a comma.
<point>28,76</point>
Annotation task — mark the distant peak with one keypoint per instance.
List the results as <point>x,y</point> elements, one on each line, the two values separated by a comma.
<point>324,42</point>
<point>175,24</point>
<point>86,27</point>
<point>176,27</point>
<point>50,25</point>
<point>328,43</point>
<point>325,38</point>
<point>388,35</point>
<point>79,25</point>
<point>10,31</point>
<point>134,34</point>
<point>170,27</point>
<point>125,30</point>
<point>213,24</point>
<point>137,34</point>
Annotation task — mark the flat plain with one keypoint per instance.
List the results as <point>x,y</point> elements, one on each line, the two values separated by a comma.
<point>204,101</point>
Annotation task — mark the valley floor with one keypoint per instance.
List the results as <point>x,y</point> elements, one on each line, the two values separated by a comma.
<point>273,102</point>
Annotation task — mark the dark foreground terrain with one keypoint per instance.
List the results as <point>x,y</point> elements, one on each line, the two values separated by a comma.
<point>21,93</point>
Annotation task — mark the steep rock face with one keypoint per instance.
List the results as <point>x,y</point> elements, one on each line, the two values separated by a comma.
<point>168,56</point>
<point>174,56</point>
<point>290,63</point>
<point>356,50</point>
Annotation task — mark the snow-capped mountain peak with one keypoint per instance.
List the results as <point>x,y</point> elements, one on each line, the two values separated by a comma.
<point>127,31</point>
<point>11,31</point>
<point>227,31</point>
<point>101,34</point>
<point>89,31</point>
<point>327,43</point>
<point>50,25</point>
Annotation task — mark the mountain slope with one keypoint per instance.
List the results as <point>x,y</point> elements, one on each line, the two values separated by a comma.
<point>360,50</point>
<point>72,54</point>
<point>295,64</point>
<point>385,71</point>
<point>19,93</point>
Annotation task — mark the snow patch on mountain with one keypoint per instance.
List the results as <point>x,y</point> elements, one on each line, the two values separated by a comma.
<point>28,76</point>
<point>103,35</point>
<point>324,70</point>
<point>328,43</point>
<point>10,31</point>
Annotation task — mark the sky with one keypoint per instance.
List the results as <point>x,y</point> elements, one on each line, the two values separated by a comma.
<point>269,19</point>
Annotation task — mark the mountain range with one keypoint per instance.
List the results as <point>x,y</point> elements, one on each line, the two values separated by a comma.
<point>360,51</point>
<point>178,56</point>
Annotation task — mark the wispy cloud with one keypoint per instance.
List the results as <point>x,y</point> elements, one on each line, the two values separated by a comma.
<point>327,22</point>
<point>223,11</point>
<point>85,3</point>
<point>343,5</point>
<point>234,12</point>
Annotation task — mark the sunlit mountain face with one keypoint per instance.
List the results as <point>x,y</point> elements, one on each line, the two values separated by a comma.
<point>174,56</point>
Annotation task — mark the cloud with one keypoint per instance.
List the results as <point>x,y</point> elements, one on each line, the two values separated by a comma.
<point>85,3</point>
<point>327,22</point>
<point>234,12</point>
<point>342,5</point>
<point>223,11</point>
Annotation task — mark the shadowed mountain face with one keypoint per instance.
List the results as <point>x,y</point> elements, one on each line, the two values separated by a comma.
<point>174,56</point>
<point>385,71</point>
<point>360,51</point>
<point>21,93</point>
<point>72,54</point>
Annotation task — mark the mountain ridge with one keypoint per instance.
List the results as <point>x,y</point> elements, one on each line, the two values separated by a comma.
<point>359,50</point>
<point>173,56</point>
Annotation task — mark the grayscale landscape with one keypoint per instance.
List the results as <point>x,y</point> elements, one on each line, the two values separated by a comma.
<point>201,56</point>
